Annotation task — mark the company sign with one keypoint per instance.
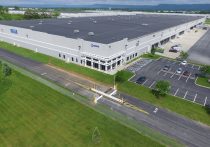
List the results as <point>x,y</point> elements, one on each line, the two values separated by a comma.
<point>94,45</point>
<point>14,31</point>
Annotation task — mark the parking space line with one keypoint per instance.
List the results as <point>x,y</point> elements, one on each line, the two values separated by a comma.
<point>180,75</point>
<point>205,101</point>
<point>152,84</point>
<point>159,71</point>
<point>165,74</point>
<point>144,82</point>
<point>43,74</point>
<point>185,94</point>
<point>188,77</point>
<point>176,92</point>
<point>67,84</point>
<point>195,97</point>
<point>173,75</point>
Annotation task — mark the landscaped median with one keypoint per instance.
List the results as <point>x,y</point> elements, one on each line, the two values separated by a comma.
<point>207,21</point>
<point>203,82</point>
<point>185,108</point>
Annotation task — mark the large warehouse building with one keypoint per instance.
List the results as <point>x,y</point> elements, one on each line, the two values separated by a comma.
<point>104,43</point>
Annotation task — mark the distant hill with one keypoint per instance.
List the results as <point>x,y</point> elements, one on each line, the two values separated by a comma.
<point>169,7</point>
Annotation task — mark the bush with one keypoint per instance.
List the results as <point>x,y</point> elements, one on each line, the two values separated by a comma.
<point>183,55</point>
<point>159,50</point>
<point>6,70</point>
<point>153,50</point>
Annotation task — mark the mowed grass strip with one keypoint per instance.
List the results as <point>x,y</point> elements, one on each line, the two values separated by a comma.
<point>32,114</point>
<point>207,21</point>
<point>92,74</point>
<point>203,82</point>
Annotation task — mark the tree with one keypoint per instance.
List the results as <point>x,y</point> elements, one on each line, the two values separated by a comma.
<point>183,55</point>
<point>3,10</point>
<point>16,8</point>
<point>162,88</point>
<point>7,71</point>
<point>205,70</point>
<point>55,14</point>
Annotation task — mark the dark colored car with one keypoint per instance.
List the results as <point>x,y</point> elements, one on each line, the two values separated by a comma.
<point>141,80</point>
<point>166,68</point>
<point>173,50</point>
<point>186,73</point>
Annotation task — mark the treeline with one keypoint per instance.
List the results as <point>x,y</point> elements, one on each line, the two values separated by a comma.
<point>29,14</point>
<point>37,14</point>
<point>3,10</point>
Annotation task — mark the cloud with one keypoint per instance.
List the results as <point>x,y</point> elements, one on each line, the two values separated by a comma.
<point>130,2</point>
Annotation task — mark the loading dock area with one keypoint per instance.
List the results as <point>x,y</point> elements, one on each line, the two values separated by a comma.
<point>182,85</point>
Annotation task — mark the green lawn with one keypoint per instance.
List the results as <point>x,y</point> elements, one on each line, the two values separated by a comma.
<point>207,21</point>
<point>150,56</point>
<point>11,17</point>
<point>92,74</point>
<point>35,115</point>
<point>203,82</point>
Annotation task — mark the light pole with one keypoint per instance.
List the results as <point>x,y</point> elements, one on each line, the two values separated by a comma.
<point>114,82</point>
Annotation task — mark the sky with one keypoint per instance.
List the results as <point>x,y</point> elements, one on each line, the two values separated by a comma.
<point>89,2</point>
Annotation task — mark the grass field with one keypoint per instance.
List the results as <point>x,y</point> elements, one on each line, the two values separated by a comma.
<point>35,115</point>
<point>207,21</point>
<point>203,82</point>
<point>11,17</point>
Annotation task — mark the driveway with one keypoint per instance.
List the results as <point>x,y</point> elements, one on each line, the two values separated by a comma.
<point>200,52</point>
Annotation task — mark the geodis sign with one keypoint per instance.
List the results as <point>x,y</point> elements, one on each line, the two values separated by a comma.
<point>95,45</point>
<point>13,31</point>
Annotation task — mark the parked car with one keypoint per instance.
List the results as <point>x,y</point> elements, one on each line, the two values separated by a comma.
<point>186,73</point>
<point>173,50</point>
<point>184,62</point>
<point>141,80</point>
<point>179,70</point>
<point>166,68</point>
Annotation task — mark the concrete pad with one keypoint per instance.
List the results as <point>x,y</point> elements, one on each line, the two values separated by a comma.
<point>187,41</point>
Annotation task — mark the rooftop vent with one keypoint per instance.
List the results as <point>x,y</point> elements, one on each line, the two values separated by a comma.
<point>76,31</point>
<point>91,33</point>
<point>144,24</point>
<point>31,26</point>
<point>69,22</point>
<point>94,21</point>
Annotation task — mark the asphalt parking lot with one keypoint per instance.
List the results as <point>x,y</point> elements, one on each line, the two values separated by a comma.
<point>139,65</point>
<point>181,86</point>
